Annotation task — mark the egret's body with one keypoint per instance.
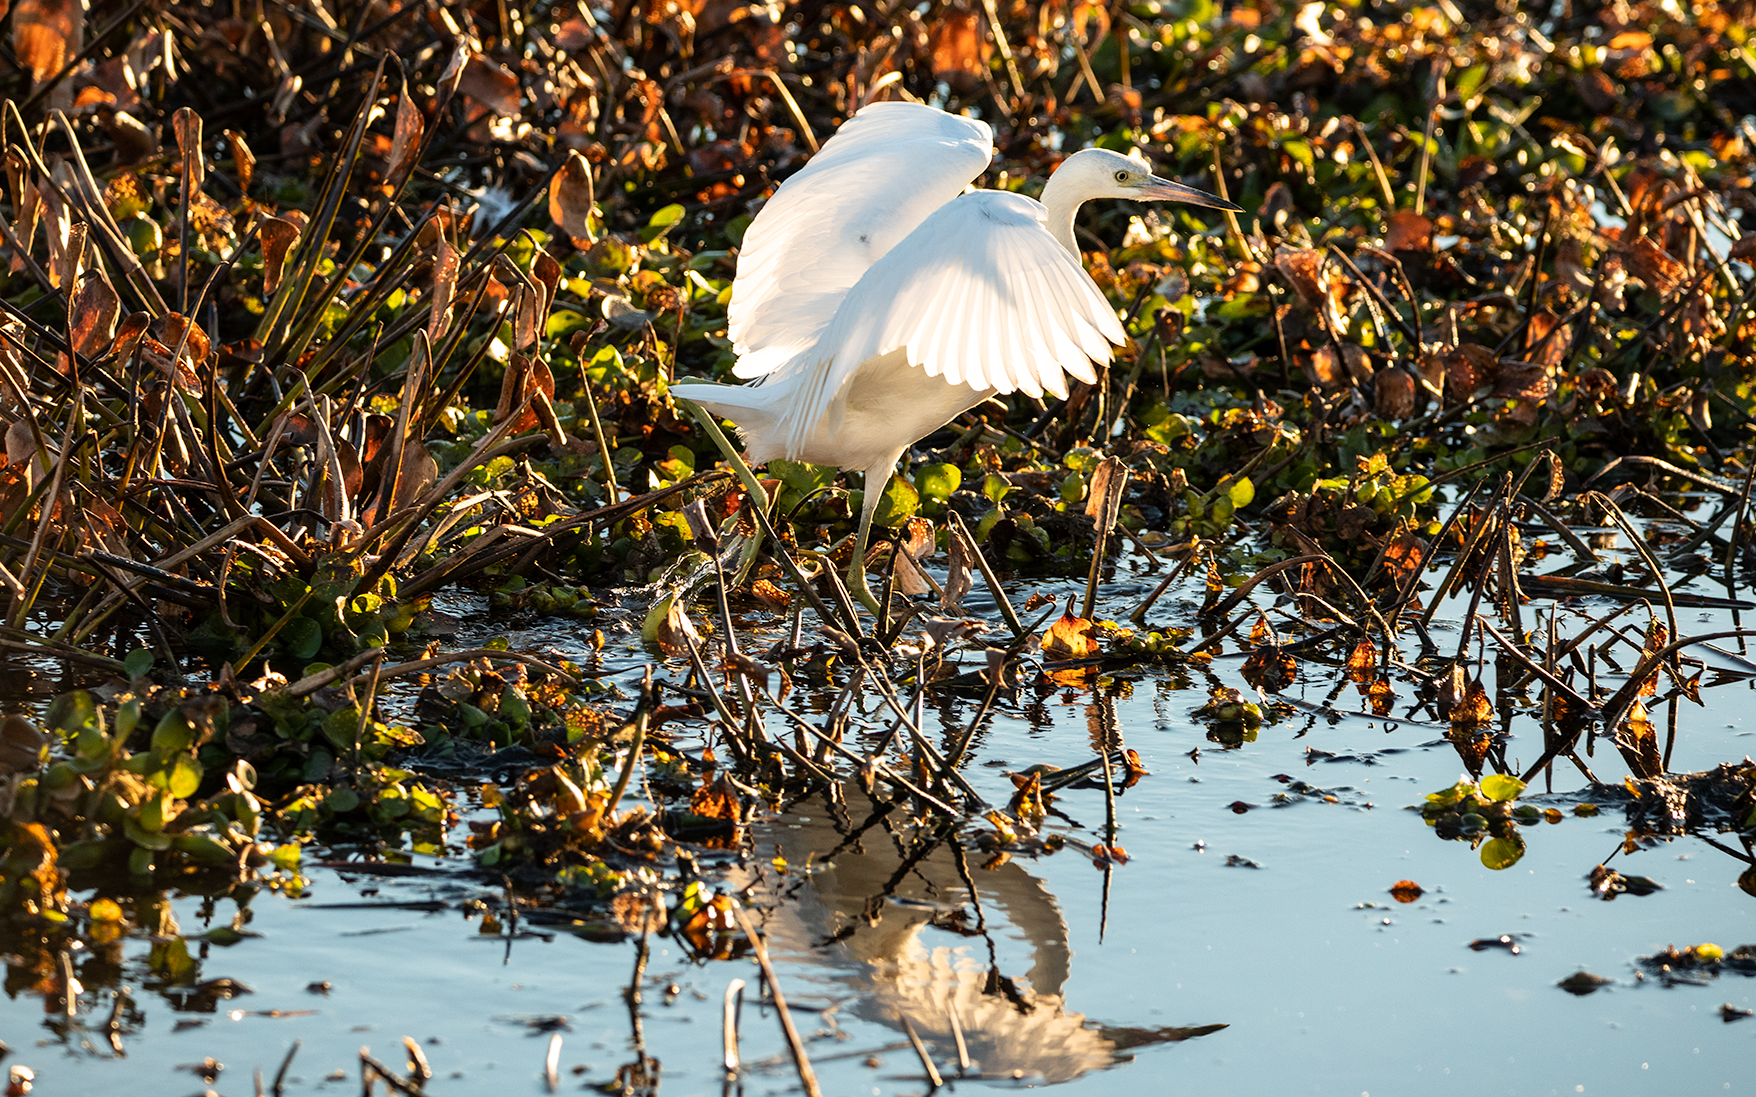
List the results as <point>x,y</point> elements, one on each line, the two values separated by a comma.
<point>875,300</point>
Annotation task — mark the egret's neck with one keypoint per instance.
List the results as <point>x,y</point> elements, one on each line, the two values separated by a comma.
<point>1060,199</point>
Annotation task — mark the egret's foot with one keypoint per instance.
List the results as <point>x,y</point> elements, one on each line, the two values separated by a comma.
<point>857,587</point>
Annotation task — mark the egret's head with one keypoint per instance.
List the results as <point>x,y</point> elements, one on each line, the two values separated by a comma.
<point>1105,174</point>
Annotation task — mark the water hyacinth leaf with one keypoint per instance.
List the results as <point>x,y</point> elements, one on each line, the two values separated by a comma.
<point>74,712</point>
<point>157,809</point>
<point>1502,853</point>
<point>340,727</point>
<point>184,777</point>
<point>661,223</point>
<point>1498,786</point>
<point>898,504</point>
<point>138,663</point>
<point>147,838</point>
<point>173,735</point>
<point>1456,794</point>
<point>937,482</point>
<point>302,637</point>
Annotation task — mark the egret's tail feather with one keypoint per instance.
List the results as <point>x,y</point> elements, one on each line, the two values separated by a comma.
<point>756,410</point>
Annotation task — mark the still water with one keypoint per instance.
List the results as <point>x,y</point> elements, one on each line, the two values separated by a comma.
<point>1256,897</point>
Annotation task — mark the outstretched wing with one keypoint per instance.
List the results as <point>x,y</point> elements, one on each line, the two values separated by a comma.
<point>980,294</point>
<point>887,168</point>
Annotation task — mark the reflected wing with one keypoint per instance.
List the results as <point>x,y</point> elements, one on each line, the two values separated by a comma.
<point>880,176</point>
<point>980,294</point>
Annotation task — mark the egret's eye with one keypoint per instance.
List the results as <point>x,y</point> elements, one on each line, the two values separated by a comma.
<point>1121,177</point>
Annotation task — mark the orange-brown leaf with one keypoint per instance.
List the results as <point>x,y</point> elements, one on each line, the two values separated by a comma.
<point>1070,638</point>
<point>570,200</point>
<point>45,33</point>
<point>1362,661</point>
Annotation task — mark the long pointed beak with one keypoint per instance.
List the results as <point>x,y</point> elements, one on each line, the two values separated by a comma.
<point>1163,190</point>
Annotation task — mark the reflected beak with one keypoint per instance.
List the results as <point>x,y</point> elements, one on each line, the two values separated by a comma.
<point>1163,190</point>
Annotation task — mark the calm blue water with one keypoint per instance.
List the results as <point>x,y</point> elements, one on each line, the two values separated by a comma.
<point>1327,984</point>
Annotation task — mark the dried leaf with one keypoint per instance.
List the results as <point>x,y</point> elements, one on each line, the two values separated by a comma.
<point>1270,668</point>
<point>1653,265</point>
<point>278,236</point>
<point>92,315</point>
<point>1381,696</point>
<point>445,260</point>
<point>1468,368</point>
<point>243,160</point>
<point>211,221</point>
<point>405,142</point>
<point>571,198</point>
<point>1408,231</point>
<point>958,578</point>
<point>419,472</point>
<point>1362,662</point>
<point>187,125</point>
<point>1070,638</point>
<point>1103,504</point>
<point>21,452</point>
<point>1472,710</point>
<point>1638,743</point>
<point>770,595</point>
<point>959,48</point>
<point>1658,637</point>
<point>717,799</point>
<point>45,35</point>
<point>524,378</point>
<point>676,634</point>
<point>1395,392</point>
<point>491,84</point>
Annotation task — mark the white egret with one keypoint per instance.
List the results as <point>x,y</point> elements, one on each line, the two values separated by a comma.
<point>876,300</point>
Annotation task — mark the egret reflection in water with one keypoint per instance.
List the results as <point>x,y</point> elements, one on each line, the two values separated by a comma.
<point>860,897</point>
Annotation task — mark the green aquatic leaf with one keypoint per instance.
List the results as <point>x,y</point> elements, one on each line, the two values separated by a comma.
<point>1498,786</point>
<point>138,664</point>
<point>1501,853</point>
<point>184,777</point>
<point>938,482</point>
<point>302,637</point>
<point>73,712</point>
<point>899,504</point>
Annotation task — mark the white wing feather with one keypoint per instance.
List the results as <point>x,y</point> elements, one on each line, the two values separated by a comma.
<point>981,294</point>
<point>883,173</point>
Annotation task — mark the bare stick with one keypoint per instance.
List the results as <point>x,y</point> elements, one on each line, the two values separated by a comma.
<point>807,1077</point>
<point>933,1078</point>
<point>734,1003</point>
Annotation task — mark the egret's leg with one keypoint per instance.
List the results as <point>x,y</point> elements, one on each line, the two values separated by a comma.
<point>857,567</point>
<point>877,478</point>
